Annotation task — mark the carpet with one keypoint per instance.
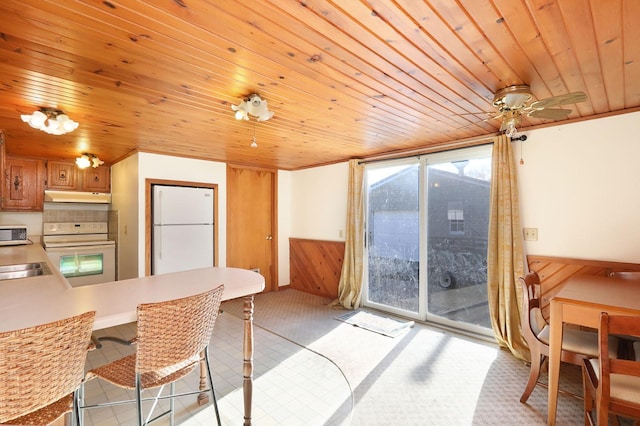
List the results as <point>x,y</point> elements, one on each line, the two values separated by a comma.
<point>377,323</point>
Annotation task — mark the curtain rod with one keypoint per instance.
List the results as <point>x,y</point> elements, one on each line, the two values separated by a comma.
<point>449,147</point>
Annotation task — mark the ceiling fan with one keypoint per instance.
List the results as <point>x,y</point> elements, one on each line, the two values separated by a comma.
<point>512,102</point>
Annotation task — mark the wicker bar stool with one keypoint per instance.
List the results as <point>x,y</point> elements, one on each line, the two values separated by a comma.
<point>171,340</point>
<point>41,369</point>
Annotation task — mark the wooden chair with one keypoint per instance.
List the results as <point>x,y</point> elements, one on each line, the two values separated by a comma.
<point>41,369</point>
<point>172,339</point>
<point>629,345</point>
<point>613,384</point>
<point>576,344</point>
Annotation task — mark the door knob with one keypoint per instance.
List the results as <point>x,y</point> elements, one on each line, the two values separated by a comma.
<point>269,237</point>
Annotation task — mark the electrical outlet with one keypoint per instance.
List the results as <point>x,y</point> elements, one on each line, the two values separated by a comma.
<point>530,234</point>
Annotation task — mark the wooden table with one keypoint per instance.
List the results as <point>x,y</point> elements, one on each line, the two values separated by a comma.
<point>28,302</point>
<point>580,301</point>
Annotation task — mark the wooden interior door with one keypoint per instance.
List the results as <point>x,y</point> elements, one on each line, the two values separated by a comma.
<point>251,230</point>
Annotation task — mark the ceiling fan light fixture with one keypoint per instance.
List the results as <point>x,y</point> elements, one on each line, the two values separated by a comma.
<point>510,123</point>
<point>516,100</point>
<point>512,97</point>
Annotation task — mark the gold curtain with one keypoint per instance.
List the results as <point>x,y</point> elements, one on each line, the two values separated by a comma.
<point>350,286</point>
<point>505,257</point>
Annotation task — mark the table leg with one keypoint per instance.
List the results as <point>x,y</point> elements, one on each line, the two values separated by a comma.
<point>555,348</point>
<point>203,397</point>
<point>247,370</point>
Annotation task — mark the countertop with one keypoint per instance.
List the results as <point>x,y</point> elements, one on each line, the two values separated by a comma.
<point>27,302</point>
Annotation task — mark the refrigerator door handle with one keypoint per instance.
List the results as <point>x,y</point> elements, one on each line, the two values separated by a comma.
<point>158,213</point>
<point>159,242</point>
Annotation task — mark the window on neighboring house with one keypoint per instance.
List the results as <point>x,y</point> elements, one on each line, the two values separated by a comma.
<point>456,218</point>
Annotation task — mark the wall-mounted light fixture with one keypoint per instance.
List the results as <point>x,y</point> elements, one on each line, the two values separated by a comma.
<point>86,160</point>
<point>50,120</point>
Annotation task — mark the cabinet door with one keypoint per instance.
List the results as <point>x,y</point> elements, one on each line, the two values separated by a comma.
<point>24,184</point>
<point>61,175</point>
<point>96,179</point>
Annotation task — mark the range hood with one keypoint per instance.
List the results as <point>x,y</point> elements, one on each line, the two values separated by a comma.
<point>77,197</point>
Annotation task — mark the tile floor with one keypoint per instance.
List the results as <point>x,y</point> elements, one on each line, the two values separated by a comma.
<point>292,385</point>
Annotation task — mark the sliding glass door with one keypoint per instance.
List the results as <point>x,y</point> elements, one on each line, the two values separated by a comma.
<point>427,222</point>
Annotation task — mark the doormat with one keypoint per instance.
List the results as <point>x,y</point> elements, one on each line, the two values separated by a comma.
<point>377,323</point>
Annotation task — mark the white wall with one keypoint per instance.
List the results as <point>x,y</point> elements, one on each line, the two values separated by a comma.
<point>156,166</point>
<point>319,202</point>
<point>579,187</point>
<point>284,226</point>
<point>128,197</point>
<point>124,199</point>
<point>33,220</point>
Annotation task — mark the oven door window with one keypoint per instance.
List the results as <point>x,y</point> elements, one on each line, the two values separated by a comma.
<point>81,265</point>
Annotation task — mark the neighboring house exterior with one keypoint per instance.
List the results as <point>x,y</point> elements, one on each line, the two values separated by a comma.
<point>457,222</point>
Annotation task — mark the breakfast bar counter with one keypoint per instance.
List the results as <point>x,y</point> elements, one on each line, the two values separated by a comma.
<point>26,302</point>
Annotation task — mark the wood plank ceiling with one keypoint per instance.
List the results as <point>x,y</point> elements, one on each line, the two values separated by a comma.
<point>346,79</point>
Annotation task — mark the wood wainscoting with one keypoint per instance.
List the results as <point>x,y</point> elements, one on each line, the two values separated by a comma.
<point>554,271</point>
<point>315,266</point>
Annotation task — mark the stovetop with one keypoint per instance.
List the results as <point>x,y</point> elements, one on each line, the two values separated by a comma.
<point>74,228</point>
<point>67,234</point>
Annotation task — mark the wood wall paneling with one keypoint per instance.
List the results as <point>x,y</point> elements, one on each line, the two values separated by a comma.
<point>315,266</point>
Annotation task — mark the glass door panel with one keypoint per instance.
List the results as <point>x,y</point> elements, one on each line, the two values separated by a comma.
<point>393,237</point>
<point>457,224</point>
<point>81,265</point>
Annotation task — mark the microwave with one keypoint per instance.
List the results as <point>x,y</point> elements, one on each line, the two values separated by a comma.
<point>13,235</point>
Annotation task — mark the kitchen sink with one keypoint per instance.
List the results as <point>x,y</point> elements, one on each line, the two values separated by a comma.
<point>23,270</point>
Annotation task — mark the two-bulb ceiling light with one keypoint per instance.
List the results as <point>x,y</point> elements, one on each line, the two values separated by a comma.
<point>86,160</point>
<point>50,120</point>
<point>254,105</point>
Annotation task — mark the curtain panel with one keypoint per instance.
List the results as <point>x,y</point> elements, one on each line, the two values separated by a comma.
<point>350,286</point>
<point>505,257</point>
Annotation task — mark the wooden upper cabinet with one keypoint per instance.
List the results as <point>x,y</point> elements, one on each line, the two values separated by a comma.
<point>96,179</point>
<point>23,188</point>
<point>61,175</point>
<point>65,175</point>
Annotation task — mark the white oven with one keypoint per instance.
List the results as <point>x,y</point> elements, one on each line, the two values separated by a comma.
<point>81,251</point>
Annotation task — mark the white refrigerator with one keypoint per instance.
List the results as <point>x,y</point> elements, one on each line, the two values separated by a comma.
<point>182,236</point>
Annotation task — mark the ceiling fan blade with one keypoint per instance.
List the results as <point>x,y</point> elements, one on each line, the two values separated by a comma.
<point>550,113</point>
<point>480,118</point>
<point>493,116</point>
<point>569,98</point>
